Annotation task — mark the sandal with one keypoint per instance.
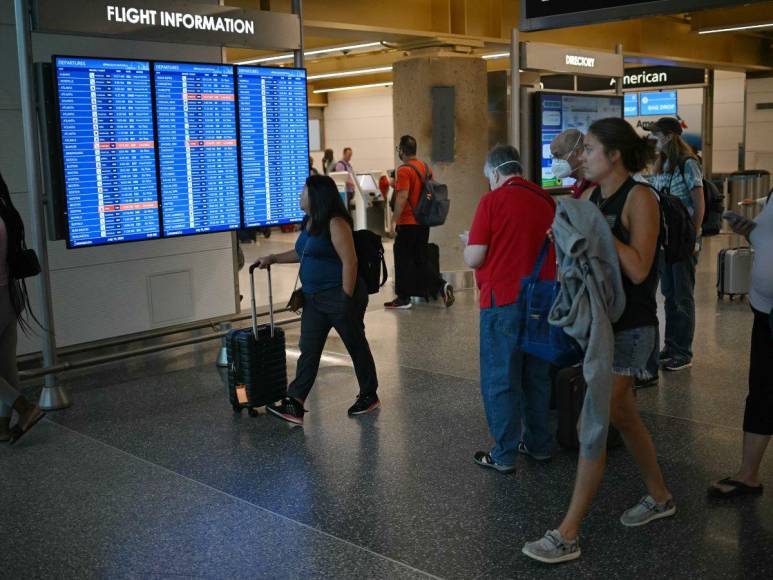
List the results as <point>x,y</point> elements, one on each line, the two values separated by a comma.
<point>739,489</point>
<point>25,424</point>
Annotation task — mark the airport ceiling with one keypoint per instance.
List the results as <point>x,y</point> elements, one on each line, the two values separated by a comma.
<point>363,39</point>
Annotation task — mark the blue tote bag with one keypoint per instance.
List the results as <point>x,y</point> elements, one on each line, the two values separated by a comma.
<point>538,337</point>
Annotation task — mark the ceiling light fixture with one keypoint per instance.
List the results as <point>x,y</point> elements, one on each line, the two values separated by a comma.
<point>315,52</point>
<point>350,73</point>
<point>354,87</point>
<point>496,55</point>
<point>736,28</point>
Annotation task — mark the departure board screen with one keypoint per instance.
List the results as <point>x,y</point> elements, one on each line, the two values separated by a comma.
<point>197,148</point>
<point>274,139</point>
<point>108,150</point>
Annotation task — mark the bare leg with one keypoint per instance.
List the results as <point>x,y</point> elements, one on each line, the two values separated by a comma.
<point>624,415</point>
<point>753,451</point>
<point>589,474</point>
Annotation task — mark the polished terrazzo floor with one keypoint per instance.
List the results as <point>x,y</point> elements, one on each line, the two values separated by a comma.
<point>151,475</point>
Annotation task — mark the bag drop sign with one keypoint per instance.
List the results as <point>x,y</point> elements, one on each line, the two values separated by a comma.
<point>164,18</point>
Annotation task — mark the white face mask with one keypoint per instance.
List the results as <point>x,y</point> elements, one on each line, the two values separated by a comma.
<point>561,168</point>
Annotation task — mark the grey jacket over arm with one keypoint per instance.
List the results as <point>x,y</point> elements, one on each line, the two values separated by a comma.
<point>591,299</point>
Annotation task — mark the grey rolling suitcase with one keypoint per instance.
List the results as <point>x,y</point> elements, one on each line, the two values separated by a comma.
<point>734,272</point>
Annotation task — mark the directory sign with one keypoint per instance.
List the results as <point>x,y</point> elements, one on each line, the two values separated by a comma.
<point>108,149</point>
<point>274,143</point>
<point>197,147</point>
<point>658,103</point>
<point>631,105</point>
<point>559,112</point>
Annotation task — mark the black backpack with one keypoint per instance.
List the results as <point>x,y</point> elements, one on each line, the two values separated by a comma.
<point>433,206</point>
<point>714,201</point>
<point>678,234</point>
<point>371,265</point>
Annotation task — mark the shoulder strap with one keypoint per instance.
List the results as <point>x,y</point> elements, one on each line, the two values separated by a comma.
<point>540,259</point>
<point>542,195</point>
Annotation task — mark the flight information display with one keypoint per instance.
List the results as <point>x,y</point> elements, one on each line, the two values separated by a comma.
<point>274,139</point>
<point>197,148</point>
<point>108,148</point>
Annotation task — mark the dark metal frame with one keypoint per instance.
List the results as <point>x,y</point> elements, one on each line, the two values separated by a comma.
<point>581,17</point>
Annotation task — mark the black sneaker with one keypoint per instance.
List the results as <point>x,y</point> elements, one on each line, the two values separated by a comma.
<point>364,404</point>
<point>644,383</point>
<point>676,364</point>
<point>398,304</point>
<point>485,460</point>
<point>288,409</point>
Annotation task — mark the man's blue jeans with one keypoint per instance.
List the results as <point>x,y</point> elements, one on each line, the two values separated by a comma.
<point>515,387</point>
<point>677,284</point>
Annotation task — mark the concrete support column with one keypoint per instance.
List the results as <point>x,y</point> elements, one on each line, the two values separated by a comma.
<point>412,97</point>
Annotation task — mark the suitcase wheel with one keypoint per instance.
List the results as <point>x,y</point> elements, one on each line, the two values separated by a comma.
<point>252,411</point>
<point>236,408</point>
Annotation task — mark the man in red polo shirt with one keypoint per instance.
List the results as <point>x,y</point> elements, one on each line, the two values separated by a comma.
<point>508,231</point>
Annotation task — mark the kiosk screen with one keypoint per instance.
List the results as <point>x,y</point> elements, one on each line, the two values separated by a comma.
<point>557,112</point>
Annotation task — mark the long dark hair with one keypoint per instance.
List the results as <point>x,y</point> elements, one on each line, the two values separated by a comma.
<point>675,153</point>
<point>325,203</point>
<point>615,134</point>
<point>14,227</point>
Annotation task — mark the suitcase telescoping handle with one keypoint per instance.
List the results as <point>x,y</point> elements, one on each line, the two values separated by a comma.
<point>254,307</point>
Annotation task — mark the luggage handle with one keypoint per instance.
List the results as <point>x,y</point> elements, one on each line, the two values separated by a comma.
<point>254,307</point>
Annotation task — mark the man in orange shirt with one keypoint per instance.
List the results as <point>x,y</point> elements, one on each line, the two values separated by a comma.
<point>413,276</point>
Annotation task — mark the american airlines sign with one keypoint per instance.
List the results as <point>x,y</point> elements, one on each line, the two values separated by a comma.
<point>662,76</point>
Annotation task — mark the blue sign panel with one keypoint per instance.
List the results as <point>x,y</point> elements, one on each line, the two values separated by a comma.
<point>631,105</point>
<point>197,146</point>
<point>108,149</point>
<point>658,103</point>
<point>274,143</point>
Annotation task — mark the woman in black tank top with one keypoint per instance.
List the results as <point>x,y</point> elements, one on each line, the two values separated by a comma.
<point>641,307</point>
<point>612,153</point>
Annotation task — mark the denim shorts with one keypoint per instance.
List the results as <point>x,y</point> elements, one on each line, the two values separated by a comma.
<point>633,348</point>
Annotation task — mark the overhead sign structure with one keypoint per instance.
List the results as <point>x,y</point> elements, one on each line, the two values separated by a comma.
<point>169,21</point>
<point>542,56</point>
<point>546,14</point>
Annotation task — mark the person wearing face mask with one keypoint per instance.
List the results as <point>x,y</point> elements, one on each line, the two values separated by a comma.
<point>566,150</point>
<point>413,275</point>
<point>506,236</point>
<point>678,171</point>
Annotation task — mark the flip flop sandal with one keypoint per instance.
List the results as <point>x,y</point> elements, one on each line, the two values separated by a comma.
<point>17,432</point>
<point>739,489</point>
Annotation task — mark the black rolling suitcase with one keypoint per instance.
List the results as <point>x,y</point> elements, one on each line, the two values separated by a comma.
<point>570,387</point>
<point>257,364</point>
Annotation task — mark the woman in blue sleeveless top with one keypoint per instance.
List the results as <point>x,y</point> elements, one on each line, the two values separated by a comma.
<point>334,297</point>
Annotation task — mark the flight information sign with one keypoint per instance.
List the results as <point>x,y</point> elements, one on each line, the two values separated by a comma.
<point>274,143</point>
<point>108,149</point>
<point>197,148</point>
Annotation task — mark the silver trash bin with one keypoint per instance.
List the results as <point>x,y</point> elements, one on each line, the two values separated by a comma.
<point>750,184</point>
